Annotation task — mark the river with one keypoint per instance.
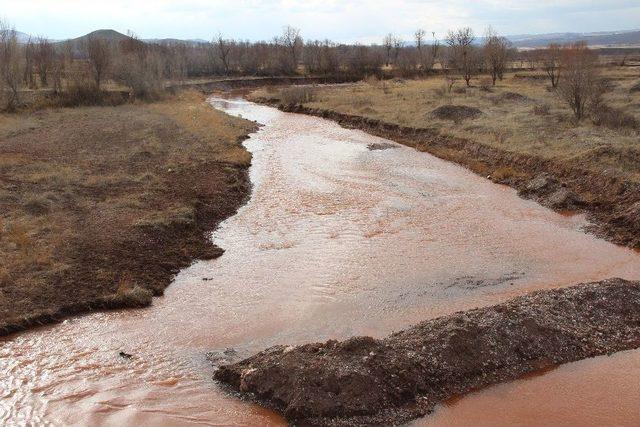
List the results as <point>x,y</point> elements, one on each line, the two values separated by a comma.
<point>336,240</point>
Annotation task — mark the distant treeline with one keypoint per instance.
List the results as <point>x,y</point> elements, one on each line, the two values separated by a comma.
<point>77,70</point>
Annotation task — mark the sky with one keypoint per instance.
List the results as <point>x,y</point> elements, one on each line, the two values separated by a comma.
<point>365,21</point>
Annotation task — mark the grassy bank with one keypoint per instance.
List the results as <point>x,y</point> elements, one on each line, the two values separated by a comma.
<point>100,206</point>
<point>517,133</point>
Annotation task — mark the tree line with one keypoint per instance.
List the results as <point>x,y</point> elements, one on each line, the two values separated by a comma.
<point>144,67</point>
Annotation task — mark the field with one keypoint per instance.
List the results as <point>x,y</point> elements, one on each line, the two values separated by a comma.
<point>100,206</point>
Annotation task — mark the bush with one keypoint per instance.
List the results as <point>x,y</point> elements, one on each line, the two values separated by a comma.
<point>613,118</point>
<point>542,110</point>
<point>297,95</point>
<point>457,113</point>
<point>486,85</point>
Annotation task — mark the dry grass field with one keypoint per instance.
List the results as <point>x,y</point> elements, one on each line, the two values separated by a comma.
<point>521,114</point>
<point>99,206</point>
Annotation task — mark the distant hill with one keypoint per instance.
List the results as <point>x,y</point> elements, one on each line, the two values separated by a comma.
<point>108,35</point>
<point>22,37</point>
<point>601,39</point>
<point>176,41</point>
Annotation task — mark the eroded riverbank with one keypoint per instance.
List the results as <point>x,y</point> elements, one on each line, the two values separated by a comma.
<point>337,240</point>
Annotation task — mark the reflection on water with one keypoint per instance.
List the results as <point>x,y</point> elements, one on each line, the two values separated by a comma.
<point>336,240</point>
<point>603,391</point>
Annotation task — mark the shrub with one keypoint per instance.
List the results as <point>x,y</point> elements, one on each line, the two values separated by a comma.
<point>613,118</point>
<point>486,85</point>
<point>541,109</point>
<point>297,95</point>
<point>457,113</point>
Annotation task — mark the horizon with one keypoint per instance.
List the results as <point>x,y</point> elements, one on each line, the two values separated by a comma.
<point>353,21</point>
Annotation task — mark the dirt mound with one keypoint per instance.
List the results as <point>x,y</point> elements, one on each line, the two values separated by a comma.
<point>390,381</point>
<point>457,113</point>
<point>511,97</point>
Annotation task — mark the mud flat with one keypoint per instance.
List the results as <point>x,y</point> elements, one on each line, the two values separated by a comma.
<point>402,377</point>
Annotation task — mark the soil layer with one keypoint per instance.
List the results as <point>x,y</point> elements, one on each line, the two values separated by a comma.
<point>402,377</point>
<point>612,204</point>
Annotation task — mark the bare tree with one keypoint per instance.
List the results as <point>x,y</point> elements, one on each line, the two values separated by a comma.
<point>388,46</point>
<point>293,45</point>
<point>418,37</point>
<point>580,87</point>
<point>29,60</point>
<point>99,53</point>
<point>397,47</point>
<point>550,59</point>
<point>11,66</point>
<point>463,56</point>
<point>224,49</point>
<point>44,59</point>
<point>496,54</point>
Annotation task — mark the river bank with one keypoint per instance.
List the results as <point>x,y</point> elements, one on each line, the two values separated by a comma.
<point>612,203</point>
<point>102,206</point>
<point>546,157</point>
<point>393,380</point>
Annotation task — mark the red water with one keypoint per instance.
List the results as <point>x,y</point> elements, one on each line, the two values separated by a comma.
<point>337,240</point>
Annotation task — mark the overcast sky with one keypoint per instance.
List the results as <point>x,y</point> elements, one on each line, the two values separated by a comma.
<point>339,20</point>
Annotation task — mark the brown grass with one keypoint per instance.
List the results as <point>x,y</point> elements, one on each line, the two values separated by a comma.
<point>519,115</point>
<point>99,206</point>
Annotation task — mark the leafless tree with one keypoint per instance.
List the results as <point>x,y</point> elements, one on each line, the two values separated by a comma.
<point>224,49</point>
<point>292,43</point>
<point>496,54</point>
<point>100,58</point>
<point>580,86</point>
<point>11,66</point>
<point>462,54</point>
<point>550,59</point>
<point>397,47</point>
<point>388,47</point>
<point>29,61</point>
<point>44,59</point>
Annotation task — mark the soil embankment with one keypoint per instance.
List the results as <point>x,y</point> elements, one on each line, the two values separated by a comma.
<point>393,380</point>
<point>227,84</point>
<point>612,203</point>
<point>100,207</point>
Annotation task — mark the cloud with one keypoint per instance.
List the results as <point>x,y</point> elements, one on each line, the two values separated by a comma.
<point>341,20</point>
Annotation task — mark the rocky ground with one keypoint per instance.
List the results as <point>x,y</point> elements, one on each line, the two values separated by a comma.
<point>402,377</point>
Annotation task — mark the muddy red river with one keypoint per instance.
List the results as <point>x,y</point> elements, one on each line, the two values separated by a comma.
<point>336,240</point>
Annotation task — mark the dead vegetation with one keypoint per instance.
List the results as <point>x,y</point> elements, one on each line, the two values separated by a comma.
<point>456,113</point>
<point>99,206</point>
